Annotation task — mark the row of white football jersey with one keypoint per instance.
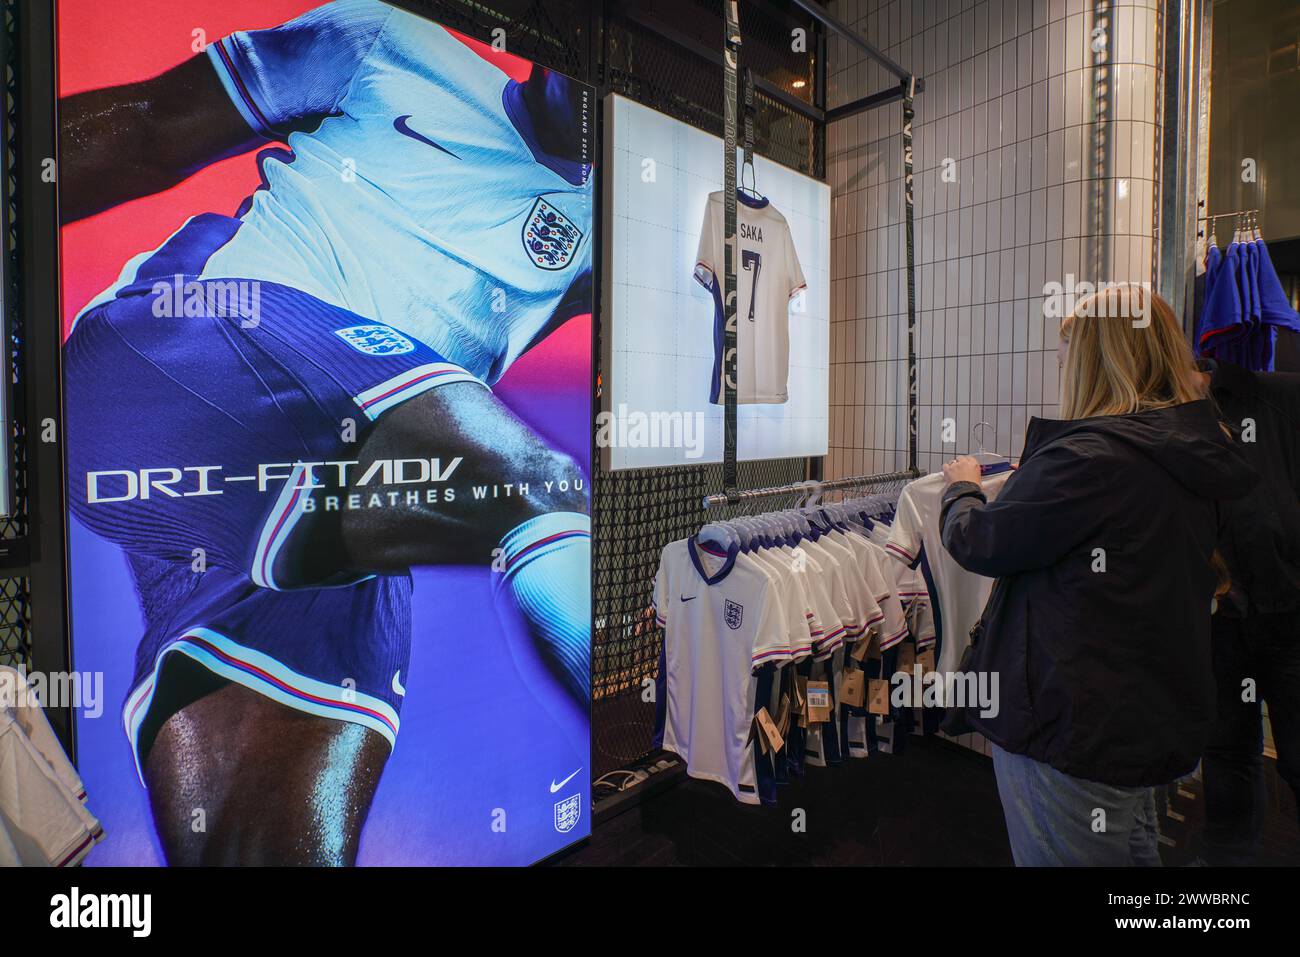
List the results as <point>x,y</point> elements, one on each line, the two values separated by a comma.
<point>44,821</point>
<point>729,609</point>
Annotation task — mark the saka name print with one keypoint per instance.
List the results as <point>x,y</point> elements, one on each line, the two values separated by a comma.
<point>550,237</point>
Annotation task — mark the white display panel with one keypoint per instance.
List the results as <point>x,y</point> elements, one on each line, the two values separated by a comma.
<point>659,351</point>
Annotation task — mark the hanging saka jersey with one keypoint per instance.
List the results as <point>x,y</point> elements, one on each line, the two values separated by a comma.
<point>422,200</point>
<point>768,276</point>
<point>722,619</point>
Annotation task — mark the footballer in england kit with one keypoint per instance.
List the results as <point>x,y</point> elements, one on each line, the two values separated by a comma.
<point>422,230</point>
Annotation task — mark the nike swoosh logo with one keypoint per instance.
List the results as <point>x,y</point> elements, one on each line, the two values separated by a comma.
<point>692,598</point>
<point>555,787</point>
<point>401,126</point>
<point>398,688</point>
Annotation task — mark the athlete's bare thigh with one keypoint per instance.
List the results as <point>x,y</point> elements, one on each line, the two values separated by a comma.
<point>236,778</point>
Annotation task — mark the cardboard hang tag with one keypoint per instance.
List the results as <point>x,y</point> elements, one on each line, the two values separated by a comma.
<point>868,646</point>
<point>878,696</point>
<point>926,660</point>
<point>799,701</point>
<point>906,657</point>
<point>769,738</point>
<point>783,715</point>
<point>853,687</point>
<point>819,702</point>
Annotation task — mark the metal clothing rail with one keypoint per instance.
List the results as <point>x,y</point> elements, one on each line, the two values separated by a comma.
<point>1235,212</point>
<point>809,487</point>
<point>1250,216</point>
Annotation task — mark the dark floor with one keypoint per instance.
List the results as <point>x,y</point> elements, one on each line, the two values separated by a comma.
<point>935,805</point>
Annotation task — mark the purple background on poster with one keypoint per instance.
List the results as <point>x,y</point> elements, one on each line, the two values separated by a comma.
<point>474,736</point>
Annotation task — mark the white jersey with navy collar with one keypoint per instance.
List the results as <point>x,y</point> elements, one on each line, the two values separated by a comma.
<point>723,618</point>
<point>768,277</point>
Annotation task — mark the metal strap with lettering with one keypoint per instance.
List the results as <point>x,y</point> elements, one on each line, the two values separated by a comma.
<point>912,331</point>
<point>731,55</point>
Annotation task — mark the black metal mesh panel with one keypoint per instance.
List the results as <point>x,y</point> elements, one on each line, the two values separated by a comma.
<point>15,597</point>
<point>639,511</point>
<point>554,33</point>
<point>667,54</point>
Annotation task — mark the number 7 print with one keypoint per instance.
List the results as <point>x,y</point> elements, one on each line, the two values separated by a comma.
<point>746,257</point>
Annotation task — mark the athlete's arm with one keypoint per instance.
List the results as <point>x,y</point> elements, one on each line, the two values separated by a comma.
<point>122,142</point>
<point>464,421</point>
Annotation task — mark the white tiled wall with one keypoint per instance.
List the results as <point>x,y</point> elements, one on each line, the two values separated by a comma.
<point>1007,110</point>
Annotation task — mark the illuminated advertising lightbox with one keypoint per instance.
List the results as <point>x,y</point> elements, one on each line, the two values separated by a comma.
<point>326,279</point>
<point>663,267</point>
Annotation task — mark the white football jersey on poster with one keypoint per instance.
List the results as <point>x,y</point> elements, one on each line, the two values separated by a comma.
<point>768,276</point>
<point>722,618</point>
<point>420,194</point>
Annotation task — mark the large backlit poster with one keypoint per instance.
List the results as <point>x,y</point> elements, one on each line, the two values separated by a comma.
<point>327,376</point>
<point>663,303</point>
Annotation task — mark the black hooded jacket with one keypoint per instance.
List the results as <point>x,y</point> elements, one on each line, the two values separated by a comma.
<point>1099,622</point>
<point>1260,534</point>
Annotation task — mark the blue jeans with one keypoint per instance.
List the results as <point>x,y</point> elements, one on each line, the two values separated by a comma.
<point>1055,820</point>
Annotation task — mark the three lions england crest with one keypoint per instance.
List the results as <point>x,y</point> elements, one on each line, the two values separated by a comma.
<point>550,238</point>
<point>567,813</point>
<point>733,614</point>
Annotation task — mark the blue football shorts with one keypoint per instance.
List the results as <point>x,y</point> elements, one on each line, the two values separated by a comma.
<point>204,445</point>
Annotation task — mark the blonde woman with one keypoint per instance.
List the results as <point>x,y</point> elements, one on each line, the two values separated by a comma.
<point>1099,623</point>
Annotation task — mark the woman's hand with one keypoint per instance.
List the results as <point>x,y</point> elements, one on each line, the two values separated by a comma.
<point>964,468</point>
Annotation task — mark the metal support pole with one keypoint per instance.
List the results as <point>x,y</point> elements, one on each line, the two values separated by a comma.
<point>909,237</point>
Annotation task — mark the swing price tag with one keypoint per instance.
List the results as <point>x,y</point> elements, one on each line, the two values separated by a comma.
<point>771,737</point>
<point>906,657</point>
<point>878,696</point>
<point>783,715</point>
<point>819,701</point>
<point>853,688</point>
